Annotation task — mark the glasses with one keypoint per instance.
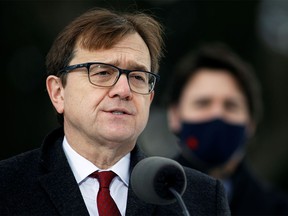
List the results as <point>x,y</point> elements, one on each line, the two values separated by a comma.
<point>106,75</point>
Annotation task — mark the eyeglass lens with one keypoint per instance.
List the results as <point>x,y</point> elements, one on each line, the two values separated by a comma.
<point>106,75</point>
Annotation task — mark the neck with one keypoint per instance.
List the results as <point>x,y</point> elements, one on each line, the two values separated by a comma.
<point>103,156</point>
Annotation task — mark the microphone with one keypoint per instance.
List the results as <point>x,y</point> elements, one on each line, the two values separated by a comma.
<point>159,180</point>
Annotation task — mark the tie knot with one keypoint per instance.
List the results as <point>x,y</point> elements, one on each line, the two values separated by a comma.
<point>104,178</point>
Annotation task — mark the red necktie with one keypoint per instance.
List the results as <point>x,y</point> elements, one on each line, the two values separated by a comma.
<point>105,203</point>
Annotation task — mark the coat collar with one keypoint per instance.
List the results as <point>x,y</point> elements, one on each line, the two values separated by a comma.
<point>135,206</point>
<point>58,180</point>
<point>62,188</point>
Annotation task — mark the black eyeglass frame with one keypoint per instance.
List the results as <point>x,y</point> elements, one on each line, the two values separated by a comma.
<point>87,65</point>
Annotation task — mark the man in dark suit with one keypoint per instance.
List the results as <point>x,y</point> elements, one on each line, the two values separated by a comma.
<point>214,108</point>
<point>101,77</point>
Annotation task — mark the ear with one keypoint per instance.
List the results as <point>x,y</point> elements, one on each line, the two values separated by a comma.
<point>251,128</point>
<point>56,92</point>
<point>152,96</point>
<point>173,119</point>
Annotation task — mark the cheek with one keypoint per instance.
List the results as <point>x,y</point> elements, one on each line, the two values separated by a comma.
<point>189,113</point>
<point>82,102</point>
<point>143,107</point>
<point>238,117</point>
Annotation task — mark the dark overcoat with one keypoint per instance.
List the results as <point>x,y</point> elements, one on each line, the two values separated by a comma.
<point>41,182</point>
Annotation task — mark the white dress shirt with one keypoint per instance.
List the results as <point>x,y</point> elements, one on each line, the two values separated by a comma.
<point>82,168</point>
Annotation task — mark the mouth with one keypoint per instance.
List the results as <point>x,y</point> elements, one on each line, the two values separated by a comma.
<point>119,112</point>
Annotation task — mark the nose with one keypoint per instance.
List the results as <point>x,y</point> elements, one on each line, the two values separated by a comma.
<point>121,88</point>
<point>217,111</point>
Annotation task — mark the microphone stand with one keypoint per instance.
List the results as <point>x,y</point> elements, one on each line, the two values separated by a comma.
<point>180,201</point>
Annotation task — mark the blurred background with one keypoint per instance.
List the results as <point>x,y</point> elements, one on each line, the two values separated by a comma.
<point>256,30</point>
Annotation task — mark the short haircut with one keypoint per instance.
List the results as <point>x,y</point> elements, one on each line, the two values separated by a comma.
<point>217,56</point>
<point>102,28</point>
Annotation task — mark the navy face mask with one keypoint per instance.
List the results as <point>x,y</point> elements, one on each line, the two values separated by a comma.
<point>212,143</point>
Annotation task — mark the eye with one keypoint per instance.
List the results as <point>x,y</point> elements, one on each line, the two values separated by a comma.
<point>102,71</point>
<point>138,76</point>
<point>202,102</point>
<point>232,106</point>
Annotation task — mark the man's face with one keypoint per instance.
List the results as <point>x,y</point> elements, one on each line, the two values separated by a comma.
<point>211,94</point>
<point>108,116</point>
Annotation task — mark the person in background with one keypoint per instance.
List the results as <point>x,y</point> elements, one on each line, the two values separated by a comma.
<point>214,106</point>
<point>102,70</point>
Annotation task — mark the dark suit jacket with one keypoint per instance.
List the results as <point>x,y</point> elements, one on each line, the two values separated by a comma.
<point>41,182</point>
<point>252,196</point>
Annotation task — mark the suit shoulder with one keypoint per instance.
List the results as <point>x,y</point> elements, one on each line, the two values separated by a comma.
<point>205,194</point>
<point>197,175</point>
<point>19,162</point>
<point>198,181</point>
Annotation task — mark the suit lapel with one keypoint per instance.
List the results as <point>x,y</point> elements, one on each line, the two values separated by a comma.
<point>58,180</point>
<point>64,192</point>
<point>135,206</point>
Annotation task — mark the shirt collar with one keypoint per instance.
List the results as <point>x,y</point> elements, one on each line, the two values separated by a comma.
<point>82,168</point>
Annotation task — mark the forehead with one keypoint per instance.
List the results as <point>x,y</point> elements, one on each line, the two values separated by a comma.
<point>213,82</point>
<point>131,48</point>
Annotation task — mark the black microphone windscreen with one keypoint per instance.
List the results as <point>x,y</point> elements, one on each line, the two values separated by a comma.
<point>152,177</point>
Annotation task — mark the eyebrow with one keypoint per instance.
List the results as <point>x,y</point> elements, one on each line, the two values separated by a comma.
<point>131,65</point>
